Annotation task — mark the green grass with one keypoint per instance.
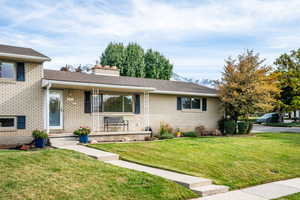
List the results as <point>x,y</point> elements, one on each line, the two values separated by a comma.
<point>63,174</point>
<point>237,162</point>
<point>291,197</point>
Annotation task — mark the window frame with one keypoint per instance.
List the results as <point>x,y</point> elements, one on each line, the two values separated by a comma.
<point>101,100</point>
<point>191,104</point>
<point>12,128</point>
<point>14,71</point>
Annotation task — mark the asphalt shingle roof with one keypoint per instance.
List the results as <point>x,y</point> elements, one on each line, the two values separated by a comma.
<point>20,51</point>
<point>163,85</point>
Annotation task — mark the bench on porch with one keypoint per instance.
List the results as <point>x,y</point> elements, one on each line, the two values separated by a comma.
<point>115,122</point>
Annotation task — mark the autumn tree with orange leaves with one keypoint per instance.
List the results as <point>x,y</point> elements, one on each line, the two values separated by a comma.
<point>246,86</point>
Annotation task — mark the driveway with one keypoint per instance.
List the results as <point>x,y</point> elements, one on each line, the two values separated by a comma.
<point>262,129</point>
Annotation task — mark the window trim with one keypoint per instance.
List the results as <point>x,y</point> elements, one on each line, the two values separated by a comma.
<point>123,106</point>
<point>190,100</point>
<point>14,128</point>
<point>14,71</point>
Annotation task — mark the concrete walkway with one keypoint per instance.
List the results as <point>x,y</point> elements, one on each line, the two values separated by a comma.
<point>261,192</point>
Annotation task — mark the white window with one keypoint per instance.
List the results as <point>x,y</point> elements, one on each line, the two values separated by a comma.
<point>191,103</point>
<point>7,123</point>
<point>7,70</point>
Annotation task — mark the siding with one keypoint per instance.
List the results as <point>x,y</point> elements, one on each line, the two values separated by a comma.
<point>163,108</point>
<point>23,98</point>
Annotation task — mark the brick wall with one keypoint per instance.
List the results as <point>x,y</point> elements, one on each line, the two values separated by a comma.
<point>23,98</point>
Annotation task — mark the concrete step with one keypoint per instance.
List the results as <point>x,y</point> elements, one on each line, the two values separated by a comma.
<point>208,190</point>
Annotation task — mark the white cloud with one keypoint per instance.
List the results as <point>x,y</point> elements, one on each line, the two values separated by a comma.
<point>75,33</point>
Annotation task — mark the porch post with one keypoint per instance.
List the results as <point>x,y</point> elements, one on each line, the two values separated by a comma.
<point>47,108</point>
<point>146,109</point>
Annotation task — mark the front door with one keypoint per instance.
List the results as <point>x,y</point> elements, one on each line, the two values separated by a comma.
<point>56,109</point>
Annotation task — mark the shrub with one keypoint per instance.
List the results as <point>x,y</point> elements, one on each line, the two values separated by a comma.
<point>221,125</point>
<point>201,131</point>
<point>165,131</point>
<point>189,134</point>
<point>229,127</point>
<point>82,131</point>
<point>39,134</point>
<point>166,136</point>
<point>243,127</point>
<point>165,128</point>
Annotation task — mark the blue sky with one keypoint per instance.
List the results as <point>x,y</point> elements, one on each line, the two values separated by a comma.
<point>195,35</point>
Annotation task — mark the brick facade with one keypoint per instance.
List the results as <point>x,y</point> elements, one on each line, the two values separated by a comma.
<point>22,98</point>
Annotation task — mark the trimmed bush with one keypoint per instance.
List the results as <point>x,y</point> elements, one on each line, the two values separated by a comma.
<point>189,134</point>
<point>166,136</point>
<point>243,127</point>
<point>229,127</point>
<point>221,125</point>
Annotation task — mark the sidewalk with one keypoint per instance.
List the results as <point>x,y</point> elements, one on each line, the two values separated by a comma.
<point>261,192</point>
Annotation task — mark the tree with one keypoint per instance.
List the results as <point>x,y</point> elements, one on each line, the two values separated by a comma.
<point>114,55</point>
<point>67,68</point>
<point>80,68</point>
<point>132,61</point>
<point>247,86</point>
<point>288,72</point>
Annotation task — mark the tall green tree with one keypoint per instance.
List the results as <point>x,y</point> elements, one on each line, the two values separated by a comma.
<point>114,55</point>
<point>246,86</point>
<point>288,72</point>
<point>153,64</point>
<point>134,60</point>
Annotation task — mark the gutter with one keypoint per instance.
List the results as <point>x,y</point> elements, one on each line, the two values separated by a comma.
<point>183,93</point>
<point>35,58</point>
<point>151,90</point>
<point>70,83</point>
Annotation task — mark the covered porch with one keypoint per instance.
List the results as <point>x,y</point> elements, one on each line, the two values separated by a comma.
<point>113,112</point>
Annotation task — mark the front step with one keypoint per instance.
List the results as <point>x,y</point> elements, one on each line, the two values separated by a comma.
<point>208,190</point>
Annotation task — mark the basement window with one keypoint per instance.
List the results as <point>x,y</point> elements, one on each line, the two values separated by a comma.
<point>7,123</point>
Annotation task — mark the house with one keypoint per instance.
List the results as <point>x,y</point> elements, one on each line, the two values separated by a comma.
<point>60,102</point>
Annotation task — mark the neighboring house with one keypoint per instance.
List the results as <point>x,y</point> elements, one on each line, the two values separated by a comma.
<point>60,102</point>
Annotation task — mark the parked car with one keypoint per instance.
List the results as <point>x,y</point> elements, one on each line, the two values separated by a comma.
<point>268,118</point>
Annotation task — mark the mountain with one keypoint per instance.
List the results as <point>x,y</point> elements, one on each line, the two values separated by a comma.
<point>205,82</point>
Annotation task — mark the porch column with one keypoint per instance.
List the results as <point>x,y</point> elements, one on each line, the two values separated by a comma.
<point>146,109</point>
<point>47,108</point>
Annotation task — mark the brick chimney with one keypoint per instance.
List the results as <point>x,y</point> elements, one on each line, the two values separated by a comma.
<point>105,70</point>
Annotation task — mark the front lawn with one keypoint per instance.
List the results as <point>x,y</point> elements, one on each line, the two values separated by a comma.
<point>291,197</point>
<point>63,174</point>
<point>233,161</point>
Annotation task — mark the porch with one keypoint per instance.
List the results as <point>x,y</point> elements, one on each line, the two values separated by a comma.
<point>70,106</point>
<point>123,136</point>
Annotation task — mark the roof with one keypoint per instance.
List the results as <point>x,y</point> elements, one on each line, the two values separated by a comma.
<point>11,51</point>
<point>159,85</point>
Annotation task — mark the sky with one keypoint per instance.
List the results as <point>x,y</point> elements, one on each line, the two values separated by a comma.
<point>196,35</point>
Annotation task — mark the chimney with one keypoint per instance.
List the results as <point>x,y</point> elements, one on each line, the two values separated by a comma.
<point>105,70</point>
